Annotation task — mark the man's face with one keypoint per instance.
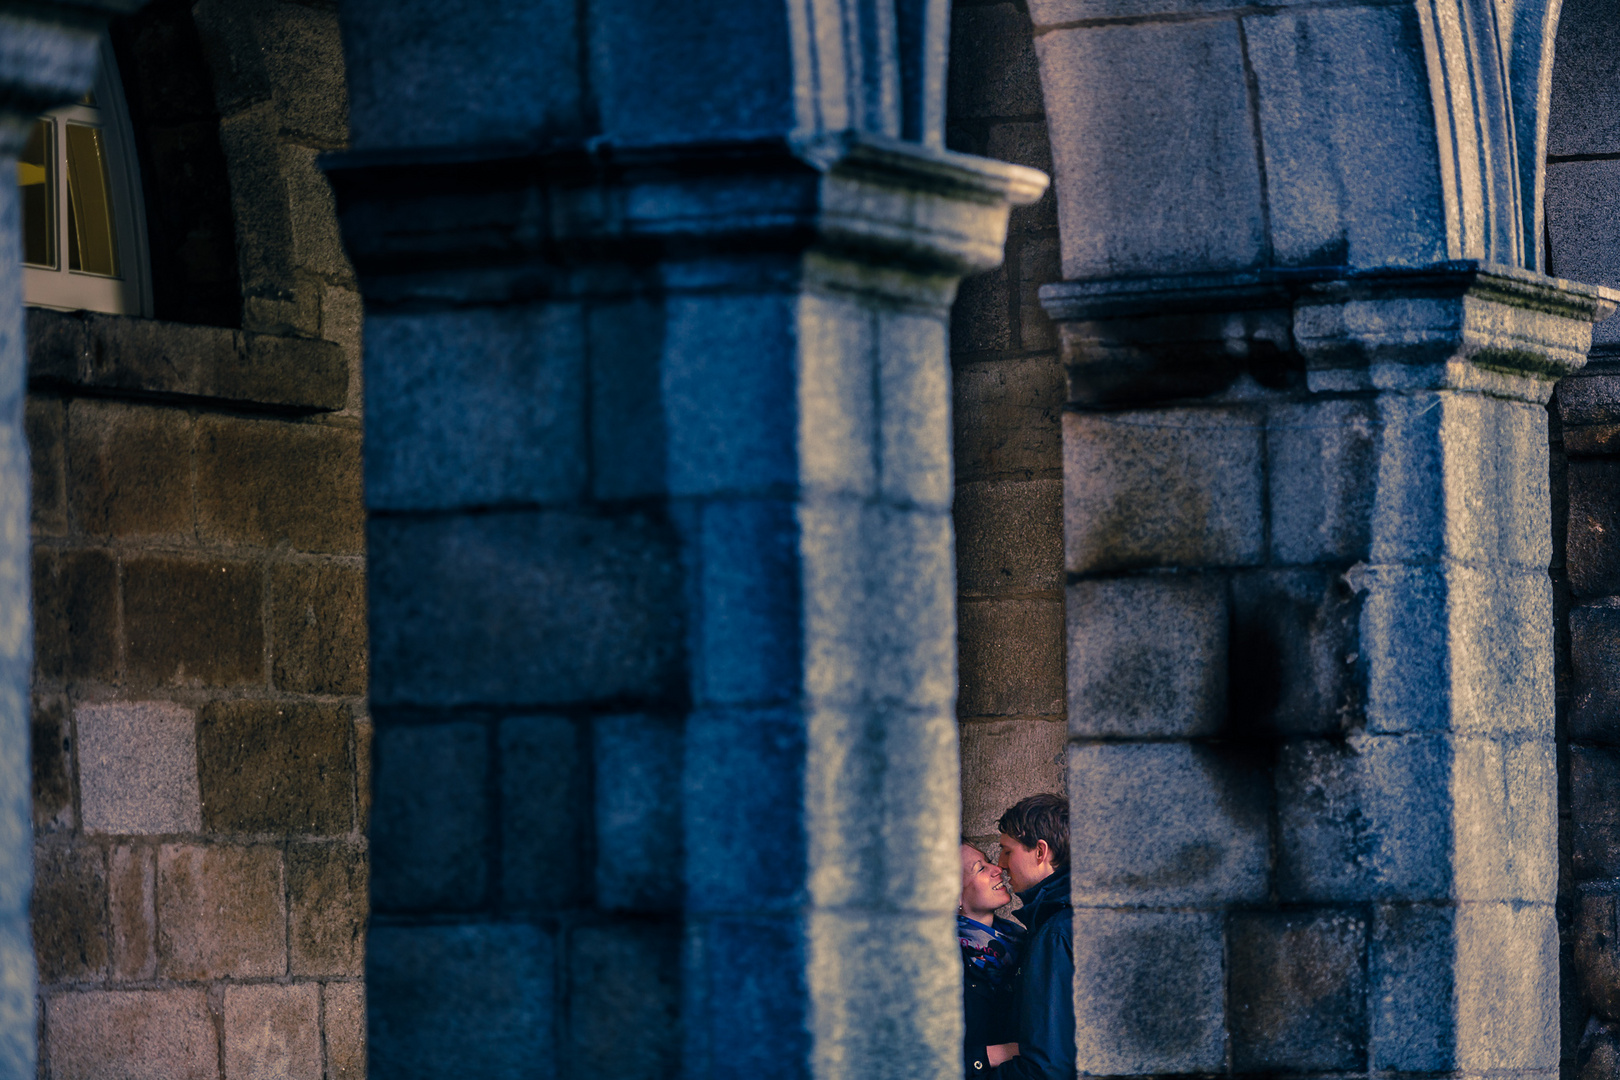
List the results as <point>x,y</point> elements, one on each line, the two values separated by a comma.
<point>1025,866</point>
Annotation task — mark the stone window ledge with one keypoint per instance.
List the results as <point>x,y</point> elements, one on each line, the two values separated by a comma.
<point>128,356</point>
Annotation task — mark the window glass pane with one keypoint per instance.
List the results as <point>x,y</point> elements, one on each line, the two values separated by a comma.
<point>36,176</point>
<point>92,243</point>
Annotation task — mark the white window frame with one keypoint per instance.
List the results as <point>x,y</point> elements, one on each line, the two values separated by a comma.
<point>72,290</point>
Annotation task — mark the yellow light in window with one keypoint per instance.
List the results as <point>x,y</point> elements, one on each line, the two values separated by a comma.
<point>36,175</point>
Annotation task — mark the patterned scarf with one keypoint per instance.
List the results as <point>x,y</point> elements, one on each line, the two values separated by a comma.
<point>989,951</point>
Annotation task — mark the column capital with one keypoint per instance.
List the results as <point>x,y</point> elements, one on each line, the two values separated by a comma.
<point>545,213</point>
<point>1462,325</point>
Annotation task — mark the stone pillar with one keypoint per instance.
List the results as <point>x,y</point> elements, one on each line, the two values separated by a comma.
<point>1307,534</point>
<point>661,592</point>
<point>49,58</point>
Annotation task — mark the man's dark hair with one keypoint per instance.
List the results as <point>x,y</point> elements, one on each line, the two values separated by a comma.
<point>1040,817</point>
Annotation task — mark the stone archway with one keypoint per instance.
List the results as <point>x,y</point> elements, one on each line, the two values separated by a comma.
<point>1310,626</point>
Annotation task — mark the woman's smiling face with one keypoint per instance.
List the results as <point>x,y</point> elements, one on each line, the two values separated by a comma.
<point>983,887</point>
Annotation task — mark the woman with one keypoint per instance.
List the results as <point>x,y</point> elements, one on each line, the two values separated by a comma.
<point>989,958</point>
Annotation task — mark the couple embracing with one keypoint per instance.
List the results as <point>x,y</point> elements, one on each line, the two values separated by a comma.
<point>1018,981</point>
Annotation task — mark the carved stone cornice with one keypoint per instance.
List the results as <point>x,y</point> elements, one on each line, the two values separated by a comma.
<point>499,222</point>
<point>1456,325</point>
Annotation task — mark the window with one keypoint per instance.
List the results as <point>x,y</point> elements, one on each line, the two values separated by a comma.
<point>84,236</point>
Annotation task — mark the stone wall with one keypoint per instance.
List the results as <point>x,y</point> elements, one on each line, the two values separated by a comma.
<point>200,729</point>
<point>1008,443</point>
<point>1583,187</point>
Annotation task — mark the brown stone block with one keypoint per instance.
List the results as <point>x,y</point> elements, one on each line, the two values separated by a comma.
<point>51,761</point>
<point>1008,420</point>
<point>345,1014</point>
<point>56,344</point>
<point>75,615</point>
<point>220,912</point>
<point>1004,761</point>
<point>1598,1056</point>
<point>286,371</point>
<point>1298,990</point>
<point>362,773</point>
<point>1011,658</point>
<point>69,912</point>
<point>1596,951</point>
<point>132,911</point>
<point>981,318</point>
<point>135,1034</point>
<point>1038,264</point>
<point>193,622</point>
<point>275,767</point>
<point>318,629</point>
<point>273,1032</point>
<point>327,889</point>
<point>45,420</point>
<point>129,469</point>
<point>1009,536</point>
<point>269,483</point>
<point>993,70</point>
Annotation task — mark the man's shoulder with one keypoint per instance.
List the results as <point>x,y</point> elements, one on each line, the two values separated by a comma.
<point>1058,925</point>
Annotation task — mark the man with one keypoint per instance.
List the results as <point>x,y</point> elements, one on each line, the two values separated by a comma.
<point>1035,858</point>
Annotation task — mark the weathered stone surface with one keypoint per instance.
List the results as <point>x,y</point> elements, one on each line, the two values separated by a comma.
<point>550,607</point>
<point>1183,86</point>
<point>132,911</point>
<point>1298,983</point>
<point>165,1034</point>
<point>1168,823</point>
<point>637,812</point>
<point>1582,239</point>
<point>51,760</point>
<point>1164,488</point>
<point>68,912</point>
<point>1327,122</point>
<point>624,996</point>
<point>1598,1055</point>
<point>750,641</point>
<point>1002,762</point>
<point>75,614</point>
<point>1007,420</point>
<point>189,623</point>
<point>1318,459</point>
<point>269,483</point>
<point>1596,952</point>
<point>999,78</point>
<point>543,801</point>
<point>981,318</point>
<point>447,999</point>
<point>1294,654</point>
<point>273,1032</point>
<point>1149,992</point>
<point>45,421</point>
<point>1594,804</point>
<point>1039,263</point>
<point>429,840</point>
<point>138,768</point>
<point>1504,819</point>
<point>318,628</point>
<point>1507,987</point>
<point>275,767</point>
<point>129,469</point>
<point>326,894</point>
<point>521,370</point>
<point>1411,982</point>
<point>1585,80</point>
<point>1362,820</point>
<point>1148,656</point>
<point>1009,536</point>
<point>914,397</point>
<point>344,1010</point>
<point>220,911</point>
<point>1011,658</point>
<point>1594,517</point>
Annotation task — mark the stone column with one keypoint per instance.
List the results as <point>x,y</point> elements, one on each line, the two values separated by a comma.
<point>1307,533</point>
<point>48,56</point>
<point>661,592</point>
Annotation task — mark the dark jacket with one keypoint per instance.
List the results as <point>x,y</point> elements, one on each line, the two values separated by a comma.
<point>987,998</point>
<point>1044,987</point>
